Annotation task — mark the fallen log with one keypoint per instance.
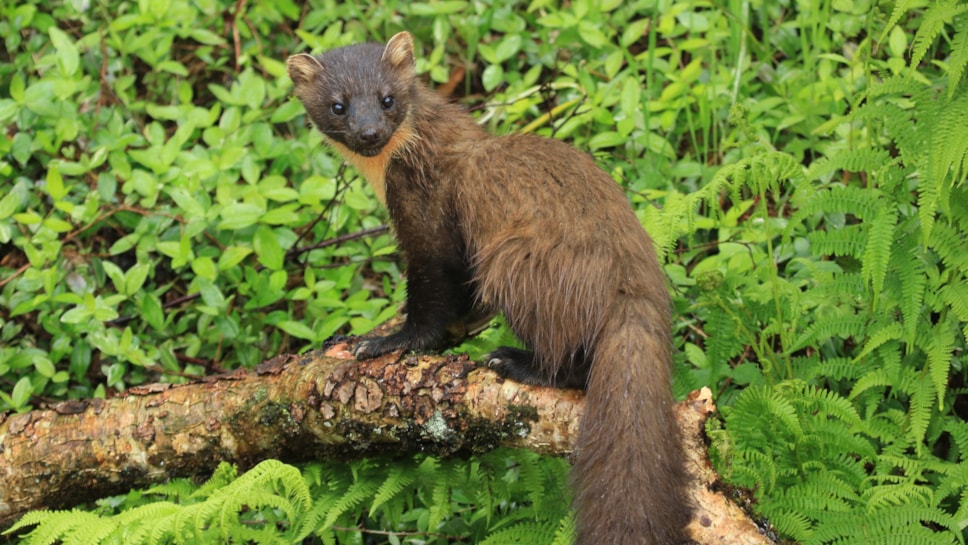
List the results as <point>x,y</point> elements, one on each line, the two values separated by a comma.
<point>297,408</point>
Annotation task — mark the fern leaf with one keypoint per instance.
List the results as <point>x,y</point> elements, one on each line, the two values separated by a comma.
<point>899,524</point>
<point>846,241</point>
<point>223,475</point>
<point>676,219</point>
<point>759,403</point>
<point>951,243</point>
<point>959,54</point>
<point>399,477</point>
<point>92,534</point>
<point>955,295</point>
<point>58,526</point>
<point>312,520</point>
<point>524,533</point>
<point>32,518</point>
<point>844,327</point>
<point>440,505</point>
<point>877,254</point>
<point>894,495</point>
<point>565,534</point>
<point>911,276</point>
<point>357,493</point>
<point>815,401</point>
<point>139,523</point>
<point>723,341</point>
<point>940,348</point>
<point>890,332</point>
<point>532,477</point>
<point>875,379</point>
<point>921,406</point>
<point>792,523</point>
<point>858,201</point>
<point>932,24</point>
<point>950,143</point>
<point>900,8</point>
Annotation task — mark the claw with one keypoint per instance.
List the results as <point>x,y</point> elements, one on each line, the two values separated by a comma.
<point>360,351</point>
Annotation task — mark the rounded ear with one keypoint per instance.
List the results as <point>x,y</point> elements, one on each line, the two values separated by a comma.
<point>399,51</point>
<point>303,69</point>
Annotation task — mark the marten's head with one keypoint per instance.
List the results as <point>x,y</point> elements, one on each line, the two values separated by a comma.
<point>359,96</point>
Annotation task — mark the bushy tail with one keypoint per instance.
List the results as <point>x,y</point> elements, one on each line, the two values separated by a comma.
<point>629,477</point>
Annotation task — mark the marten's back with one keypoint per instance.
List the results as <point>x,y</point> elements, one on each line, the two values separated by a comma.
<point>553,241</point>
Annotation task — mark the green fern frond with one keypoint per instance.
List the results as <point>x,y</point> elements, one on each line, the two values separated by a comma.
<point>845,289</point>
<point>223,475</point>
<point>533,478</point>
<point>761,173</point>
<point>523,533</point>
<point>865,159</point>
<point>950,144</point>
<point>896,525</point>
<point>440,501</point>
<point>857,201</point>
<point>955,295</point>
<point>141,521</point>
<point>792,523</point>
<point>57,526</point>
<point>878,378</point>
<point>356,494</point>
<point>821,402</point>
<point>845,241</point>
<point>894,467</point>
<point>910,273</point>
<point>900,9</point>
<point>951,244</point>
<point>723,341</point>
<point>836,369</point>
<point>922,405</point>
<point>959,54</point>
<point>565,534</point>
<point>818,492</point>
<point>889,332</point>
<point>877,251</point>
<point>32,518</point>
<point>842,327</point>
<point>175,489</point>
<point>675,220</point>
<point>759,403</point>
<point>894,495</point>
<point>756,470</point>
<point>939,347</point>
<point>932,23</point>
<point>955,481</point>
<point>399,478</point>
<point>894,85</point>
<point>312,521</point>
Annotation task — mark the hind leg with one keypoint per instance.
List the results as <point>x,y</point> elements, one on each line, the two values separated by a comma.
<point>523,366</point>
<point>516,364</point>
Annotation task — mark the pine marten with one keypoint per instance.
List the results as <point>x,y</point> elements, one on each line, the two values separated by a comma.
<point>531,227</point>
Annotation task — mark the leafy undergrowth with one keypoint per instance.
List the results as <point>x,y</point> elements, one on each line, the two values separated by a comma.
<point>165,213</point>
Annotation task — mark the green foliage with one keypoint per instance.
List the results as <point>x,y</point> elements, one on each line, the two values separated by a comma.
<point>800,166</point>
<point>867,304</point>
<point>417,500</point>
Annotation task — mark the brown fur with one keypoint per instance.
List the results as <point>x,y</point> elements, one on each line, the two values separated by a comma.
<point>531,227</point>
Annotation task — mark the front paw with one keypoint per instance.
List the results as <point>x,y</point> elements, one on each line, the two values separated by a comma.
<point>371,348</point>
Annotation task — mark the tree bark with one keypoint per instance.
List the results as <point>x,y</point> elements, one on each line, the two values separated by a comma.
<point>296,408</point>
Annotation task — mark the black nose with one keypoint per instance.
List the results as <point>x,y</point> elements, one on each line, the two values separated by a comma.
<point>369,136</point>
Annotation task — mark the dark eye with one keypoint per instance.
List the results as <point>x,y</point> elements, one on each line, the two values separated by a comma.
<point>386,102</point>
<point>337,108</point>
